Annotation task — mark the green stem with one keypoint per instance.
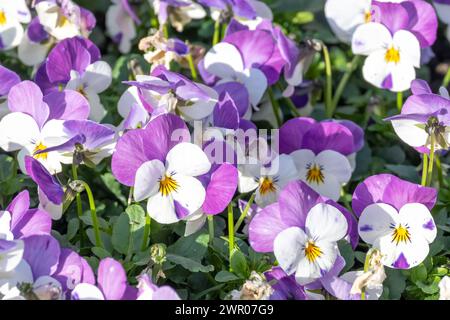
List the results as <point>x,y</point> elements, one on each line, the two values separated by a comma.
<point>446,80</point>
<point>79,205</point>
<point>431,162</point>
<point>130,196</point>
<point>211,229</point>
<point>98,239</point>
<point>275,106</point>
<point>165,30</point>
<point>245,212</point>
<point>343,83</point>
<point>192,67</point>
<point>366,269</point>
<point>289,103</point>
<point>147,227</point>
<point>440,174</point>
<point>224,30</point>
<point>424,169</point>
<point>328,84</point>
<point>216,36</point>
<point>230,231</point>
<point>399,101</point>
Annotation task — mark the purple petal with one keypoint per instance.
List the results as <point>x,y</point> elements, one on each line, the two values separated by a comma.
<point>88,20</point>
<point>328,136</point>
<point>336,286</point>
<point>32,222</point>
<point>419,86</point>
<point>165,293</point>
<point>111,279</point>
<point>386,188</point>
<point>401,262</point>
<point>357,133</point>
<point>88,275</point>
<point>423,22</point>
<point>393,15</point>
<point>264,228</point>
<point>221,189</point>
<point>126,6</point>
<point>95,135</point>
<point>70,269</point>
<point>67,105</point>
<point>286,287</point>
<point>208,78</point>
<point>42,254</point>
<point>46,182</point>
<point>226,114</point>
<point>36,32</point>
<point>292,133</point>
<point>141,145</point>
<point>238,93</point>
<point>27,97</point>
<point>8,79</point>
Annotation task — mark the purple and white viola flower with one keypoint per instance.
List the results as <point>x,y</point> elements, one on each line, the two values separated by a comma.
<point>443,11</point>
<point>75,64</point>
<point>12,15</point>
<point>43,117</point>
<point>178,12</point>
<point>302,229</point>
<point>220,185</point>
<point>394,217</point>
<point>120,24</point>
<point>50,192</point>
<point>266,176</point>
<point>149,291</point>
<point>8,79</point>
<point>169,92</point>
<point>248,57</point>
<point>46,271</point>
<point>35,44</point>
<point>162,170</point>
<point>425,118</point>
<point>391,60</point>
<point>111,284</point>
<point>323,152</point>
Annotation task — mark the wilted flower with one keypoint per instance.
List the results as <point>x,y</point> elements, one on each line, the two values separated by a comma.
<point>255,288</point>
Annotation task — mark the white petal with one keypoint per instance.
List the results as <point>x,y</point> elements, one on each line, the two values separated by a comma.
<point>403,74</point>
<point>127,99</point>
<point>162,209</point>
<point>409,47</point>
<point>98,112</point>
<point>192,226</point>
<point>5,226</point>
<point>307,271</point>
<point>370,37</point>
<point>86,291</point>
<point>147,179</point>
<point>21,274</point>
<point>98,76</point>
<point>410,133</point>
<point>247,182</point>
<point>375,221</point>
<point>187,159</point>
<point>326,223</point>
<point>190,195</point>
<point>264,200</point>
<point>256,83</point>
<point>419,219</point>
<point>335,164</point>
<point>11,35</point>
<point>302,158</point>
<point>224,60</point>
<point>330,188</point>
<point>31,53</point>
<point>284,169</point>
<point>10,258</point>
<point>376,69</point>
<point>329,252</point>
<point>288,248</point>
<point>55,210</point>
<point>12,134</point>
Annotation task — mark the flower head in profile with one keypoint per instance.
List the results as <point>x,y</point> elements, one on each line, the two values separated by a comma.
<point>121,21</point>
<point>443,11</point>
<point>302,229</point>
<point>42,116</point>
<point>425,119</point>
<point>149,291</point>
<point>177,12</point>
<point>163,167</point>
<point>323,152</point>
<point>394,217</point>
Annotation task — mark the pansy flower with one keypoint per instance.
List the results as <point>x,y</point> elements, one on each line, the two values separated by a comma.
<point>8,79</point>
<point>42,116</point>
<point>163,167</point>
<point>75,64</point>
<point>443,11</point>
<point>248,56</point>
<point>178,12</point>
<point>111,284</point>
<point>35,44</point>
<point>394,217</point>
<point>322,152</point>
<point>392,58</point>
<point>302,229</point>
<point>425,117</point>
<point>149,291</point>
<point>120,24</point>
<point>12,15</point>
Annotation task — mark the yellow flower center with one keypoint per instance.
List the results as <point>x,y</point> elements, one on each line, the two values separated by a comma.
<point>62,21</point>
<point>266,185</point>
<point>315,174</point>
<point>37,148</point>
<point>392,55</point>
<point>368,17</point>
<point>167,185</point>
<point>401,234</point>
<point>312,252</point>
<point>2,18</point>
<point>81,91</point>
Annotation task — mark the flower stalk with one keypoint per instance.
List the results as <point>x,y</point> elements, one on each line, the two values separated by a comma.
<point>230,231</point>
<point>147,228</point>
<point>92,208</point>
<point>211,229</point>
<point>345,78</point>
<point>399,101</point>
<point>245,212</point>
<point>275,106</point>
<point>328,82</point>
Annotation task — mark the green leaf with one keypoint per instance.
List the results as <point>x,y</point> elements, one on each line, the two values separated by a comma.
<point>189,264</point>
<point>6,167</point>
<point>114,186</point>
<point>121,234</point>
<point>193,246</point>
<point>72,228</point>
<point>430,288</point>
<point>303,17</point>
<point>347,253</point>
<point>137,221</point>
<point>239,264</point>
<point>225,276</point>
<point>419,273</point>
<point>100,252</point>
<point>395,282</point>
